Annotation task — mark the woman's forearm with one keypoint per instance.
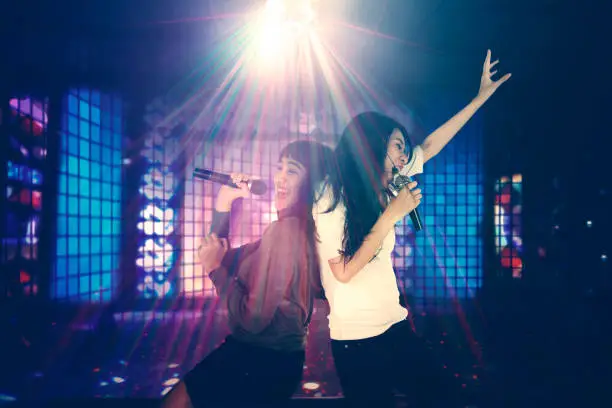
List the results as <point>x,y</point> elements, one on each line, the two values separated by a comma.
<point>345,271</point>
<point>223,203</point>
<point>436,141</point>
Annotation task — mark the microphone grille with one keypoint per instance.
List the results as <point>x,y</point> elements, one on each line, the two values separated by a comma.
<point>258,187</point>
<point>400,180</point>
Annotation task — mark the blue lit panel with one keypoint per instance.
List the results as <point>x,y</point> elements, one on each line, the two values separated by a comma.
<point>445,259</point>
<point>89,197</point>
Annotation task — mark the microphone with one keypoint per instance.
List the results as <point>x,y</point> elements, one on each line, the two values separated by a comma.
<point>256,187</point>
<point>395,186</point>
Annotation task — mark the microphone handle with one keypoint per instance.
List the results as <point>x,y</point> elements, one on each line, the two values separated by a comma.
<point>257,187</point>
<point>227,180</point>
<point>214,177</point>
<point>416,220</point>
<point>394,188</point>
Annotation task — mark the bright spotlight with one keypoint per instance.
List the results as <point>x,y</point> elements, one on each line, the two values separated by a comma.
<point>279,28</point>
<point>275,9</point>
<point>290,12</point>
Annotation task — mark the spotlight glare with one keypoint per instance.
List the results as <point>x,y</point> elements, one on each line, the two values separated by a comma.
<point>275,9</point>
<point>277,29</point>
<point>311,386</point>
<point>170,382</point>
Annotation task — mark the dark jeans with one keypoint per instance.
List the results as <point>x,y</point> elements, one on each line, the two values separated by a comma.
<point>371,369</point>
<point>238,372</point>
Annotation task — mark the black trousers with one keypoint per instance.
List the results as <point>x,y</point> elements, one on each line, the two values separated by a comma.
<point>240,374</point>
<point>370,370</point>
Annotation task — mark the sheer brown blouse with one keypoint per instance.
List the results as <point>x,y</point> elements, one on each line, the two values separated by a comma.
<point>266,285</point>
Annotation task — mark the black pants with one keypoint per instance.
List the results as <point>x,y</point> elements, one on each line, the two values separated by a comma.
<point>240,374</point>
<point>371,369</point>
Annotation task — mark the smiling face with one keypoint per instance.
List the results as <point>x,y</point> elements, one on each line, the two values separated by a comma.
<point>396,155</point>
<point>289,176</point>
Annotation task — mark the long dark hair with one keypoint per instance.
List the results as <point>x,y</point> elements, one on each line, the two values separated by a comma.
<point>313,156</point>
<point>358,179</point>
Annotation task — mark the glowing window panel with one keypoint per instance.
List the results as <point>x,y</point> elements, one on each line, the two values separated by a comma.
<point>26,153</point>
<point>508,223</point>
<point>89,197</point>
<point>156,221</point>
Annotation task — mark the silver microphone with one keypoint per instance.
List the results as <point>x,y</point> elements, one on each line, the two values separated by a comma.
<point>395,186</point>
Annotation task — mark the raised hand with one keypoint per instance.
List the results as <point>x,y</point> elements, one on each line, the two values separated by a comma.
<point>241,180</point>
<point>488,86</point>
<point>211,251</point>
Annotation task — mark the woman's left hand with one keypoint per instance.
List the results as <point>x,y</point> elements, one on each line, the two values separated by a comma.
<point>211,251</point>
<point>487,85</point>
<point>227,195</point>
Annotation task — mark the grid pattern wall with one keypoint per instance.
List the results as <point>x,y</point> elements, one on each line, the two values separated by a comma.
<point>89,197</point>
<point>26,152</point>
<point>250,218</point>
<point>508,208</point>
<point>445,259</point>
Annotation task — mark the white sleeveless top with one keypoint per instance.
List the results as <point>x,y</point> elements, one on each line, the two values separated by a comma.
<point>368,304</point>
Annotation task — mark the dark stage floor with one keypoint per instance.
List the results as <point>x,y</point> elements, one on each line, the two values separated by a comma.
<point>152,403</point>
<point>143,354</point>
<point>140,355</point>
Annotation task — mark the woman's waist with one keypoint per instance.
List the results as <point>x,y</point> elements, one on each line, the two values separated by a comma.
<point>287,329</point>
<point>366,289</point>
<point>362,324</point>
<point>273,338</point>
<point>355,311</point>
<point>265,344</point>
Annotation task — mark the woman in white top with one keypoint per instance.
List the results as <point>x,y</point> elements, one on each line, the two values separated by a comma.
<point>375,350</point>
